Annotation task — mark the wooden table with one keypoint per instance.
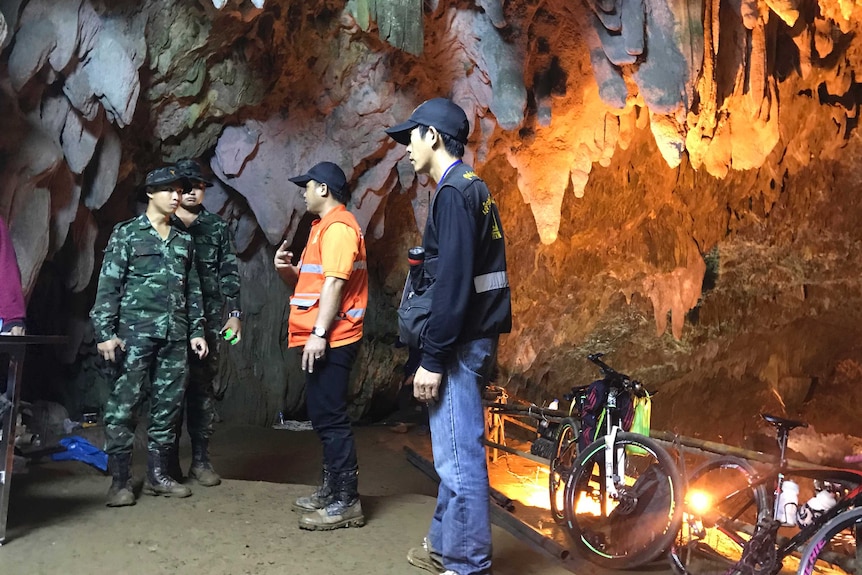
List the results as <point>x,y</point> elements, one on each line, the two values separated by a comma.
<point>14,347</point>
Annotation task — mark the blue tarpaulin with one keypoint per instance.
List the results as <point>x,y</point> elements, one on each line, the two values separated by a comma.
<point>78,448</point>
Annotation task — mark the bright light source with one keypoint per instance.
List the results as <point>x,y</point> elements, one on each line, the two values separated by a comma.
<point>698,501</point>
<point>586,505</point>
<point>258,3</point>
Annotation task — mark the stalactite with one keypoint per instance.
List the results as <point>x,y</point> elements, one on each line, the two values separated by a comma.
<point>399,22</point>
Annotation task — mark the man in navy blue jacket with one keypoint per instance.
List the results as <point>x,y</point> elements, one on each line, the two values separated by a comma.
<point>465,258</point>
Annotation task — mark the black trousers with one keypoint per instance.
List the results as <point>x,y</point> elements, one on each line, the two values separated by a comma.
<point>326,401</point>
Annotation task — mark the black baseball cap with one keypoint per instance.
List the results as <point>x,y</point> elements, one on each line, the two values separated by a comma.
<point>442,113</point>
<point>325,173</point>
<point>192,172</point>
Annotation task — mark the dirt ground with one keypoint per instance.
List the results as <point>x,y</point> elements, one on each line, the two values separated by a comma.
<point>58,522</point>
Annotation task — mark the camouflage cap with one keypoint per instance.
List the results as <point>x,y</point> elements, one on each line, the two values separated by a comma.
<point>160,177</point>
<point>192,171</point>
<point>163,176</point>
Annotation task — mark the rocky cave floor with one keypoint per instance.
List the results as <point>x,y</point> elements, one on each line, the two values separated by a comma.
<point>58,522</point>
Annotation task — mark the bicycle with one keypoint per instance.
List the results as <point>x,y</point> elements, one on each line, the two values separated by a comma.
<point>732,520</point>
<point>623,493</point>
<point>565,450</point>
<point>836,542</point>
<point>568,434</point>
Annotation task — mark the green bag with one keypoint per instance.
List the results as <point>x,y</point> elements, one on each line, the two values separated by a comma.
<point>641,420</point>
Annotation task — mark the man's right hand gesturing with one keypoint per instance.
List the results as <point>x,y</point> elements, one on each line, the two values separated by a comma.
<point>283,264</point>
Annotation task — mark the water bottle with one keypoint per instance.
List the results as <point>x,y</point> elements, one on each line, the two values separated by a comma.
<point>815,507</point>
<point>788,502</point>
<point>416,259</point>
<point>415,256</point>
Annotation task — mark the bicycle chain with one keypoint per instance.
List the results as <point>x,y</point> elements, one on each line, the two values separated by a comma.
<point>759,556</point>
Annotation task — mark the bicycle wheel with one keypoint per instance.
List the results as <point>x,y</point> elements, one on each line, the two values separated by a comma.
<point>835,546</point>
<point>722,508</point>
<point>565,451</point>
<point>636,524</point>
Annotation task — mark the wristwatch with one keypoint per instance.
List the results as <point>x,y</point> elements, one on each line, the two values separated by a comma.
<point>235,313</point>
<point>319,332</point>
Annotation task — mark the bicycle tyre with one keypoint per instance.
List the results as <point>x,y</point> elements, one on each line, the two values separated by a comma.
<point>712,541</point>
<point>633,533</point>
<point>832,545</point>
<point>565,452</point>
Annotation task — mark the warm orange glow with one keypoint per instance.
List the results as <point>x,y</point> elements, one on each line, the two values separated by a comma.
<point>698,501</point>
<point>560,497</point>
<point>586,505</point>
<point>532,495</point>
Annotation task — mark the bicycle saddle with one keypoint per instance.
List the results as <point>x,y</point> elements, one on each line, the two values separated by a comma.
<point>782,423</point>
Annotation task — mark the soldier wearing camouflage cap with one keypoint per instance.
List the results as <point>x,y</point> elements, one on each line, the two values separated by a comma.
<point>215,258</point>
<point>148,310</point>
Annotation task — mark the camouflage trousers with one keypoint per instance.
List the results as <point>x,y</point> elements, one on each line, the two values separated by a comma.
<point>200,395</point>
<point>154,368</point>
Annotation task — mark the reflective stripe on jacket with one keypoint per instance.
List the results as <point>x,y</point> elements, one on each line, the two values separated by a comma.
<point>304,304</point>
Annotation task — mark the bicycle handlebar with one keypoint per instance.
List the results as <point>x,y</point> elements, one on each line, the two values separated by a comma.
<point>615,378</point>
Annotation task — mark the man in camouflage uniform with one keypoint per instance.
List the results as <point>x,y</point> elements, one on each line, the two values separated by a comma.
<point>148,306</point>
<point>216,264</point>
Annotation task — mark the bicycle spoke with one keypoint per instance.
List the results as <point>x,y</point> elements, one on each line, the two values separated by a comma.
<point>628,521</point>
<point>834,548</point>
<point>565,452</point>
<point>721,512</point>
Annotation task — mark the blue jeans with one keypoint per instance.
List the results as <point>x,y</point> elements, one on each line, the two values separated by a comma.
<point>461,528</point>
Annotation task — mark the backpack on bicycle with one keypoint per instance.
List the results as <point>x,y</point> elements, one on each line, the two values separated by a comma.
<point>595,410</point>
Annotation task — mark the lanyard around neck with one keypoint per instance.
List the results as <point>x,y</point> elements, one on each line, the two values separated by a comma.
<point>446,173</point>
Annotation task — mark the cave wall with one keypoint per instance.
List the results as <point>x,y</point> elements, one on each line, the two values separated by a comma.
<point>676,180</point>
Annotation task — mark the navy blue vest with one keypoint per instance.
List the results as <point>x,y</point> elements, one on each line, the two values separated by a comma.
<point>490,309</point>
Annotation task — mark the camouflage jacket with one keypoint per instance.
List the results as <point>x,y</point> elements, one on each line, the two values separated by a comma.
<point>148,286</point>
<point>215,257</point>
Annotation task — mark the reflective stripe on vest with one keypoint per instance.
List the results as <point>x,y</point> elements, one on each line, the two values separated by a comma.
<point>491,281</point>
<point>305,301</point>
<point>311,268</point>
<point>355,313</point>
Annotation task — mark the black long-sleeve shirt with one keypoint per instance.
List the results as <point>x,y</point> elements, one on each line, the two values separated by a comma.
<point>465,253</point>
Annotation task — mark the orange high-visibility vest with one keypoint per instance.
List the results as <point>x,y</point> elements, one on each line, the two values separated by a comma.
<point>304,304</point>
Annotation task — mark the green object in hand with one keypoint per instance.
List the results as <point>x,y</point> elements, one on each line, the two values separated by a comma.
<point>228,334</point>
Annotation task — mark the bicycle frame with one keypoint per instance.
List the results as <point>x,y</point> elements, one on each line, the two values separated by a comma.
<point>852,499</point>
<point>776,476</point>
<point>615,459</point>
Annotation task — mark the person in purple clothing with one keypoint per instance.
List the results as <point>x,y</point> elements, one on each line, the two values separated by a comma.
<point>12,306</point>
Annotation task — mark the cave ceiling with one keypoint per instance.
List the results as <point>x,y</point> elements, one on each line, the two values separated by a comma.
<point>628,139</point>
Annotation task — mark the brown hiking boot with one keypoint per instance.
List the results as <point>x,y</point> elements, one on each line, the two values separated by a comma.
<point>320,498</point>
<point>345,509</point>
<point>426,558</point>
<point>333,516</point>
